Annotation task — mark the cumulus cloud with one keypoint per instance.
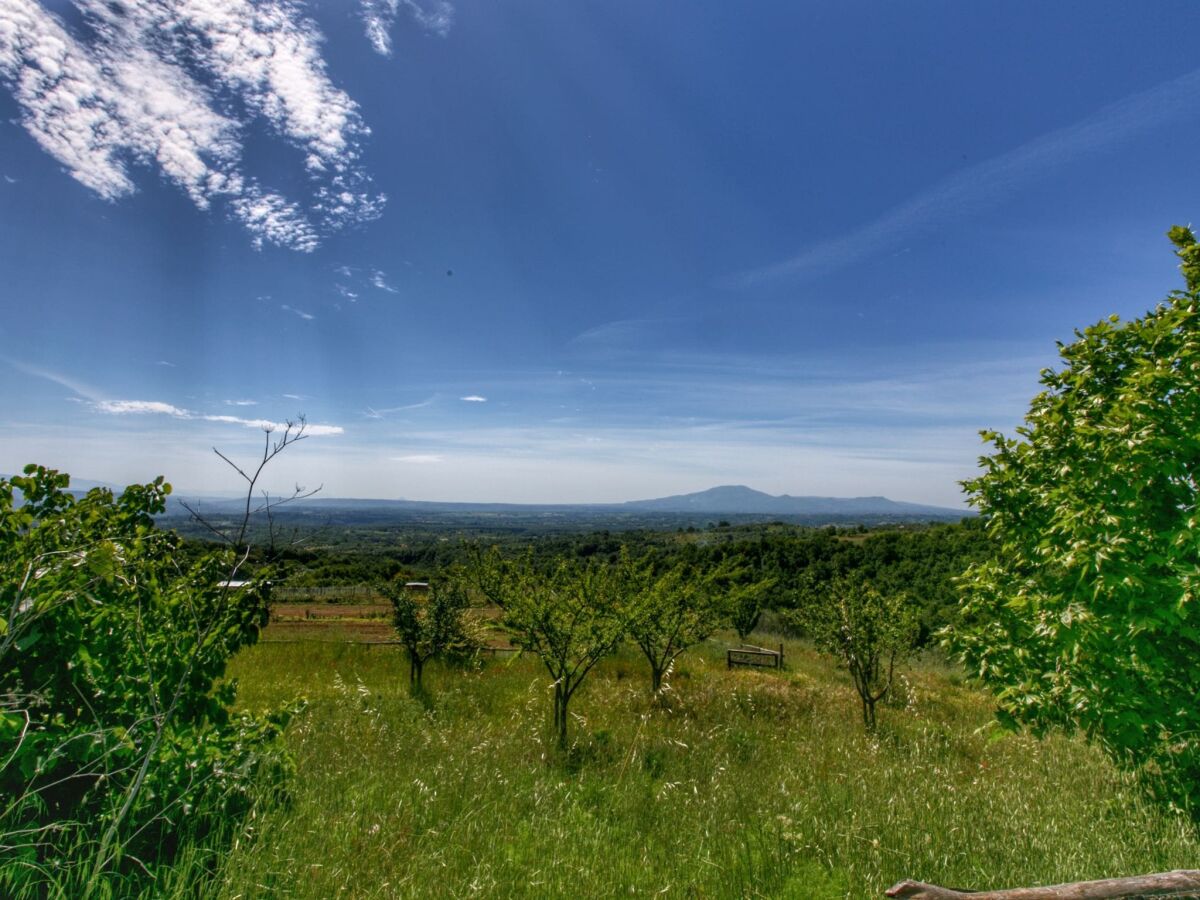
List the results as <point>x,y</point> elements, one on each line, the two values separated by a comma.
<point>378,15</point>
<point>474,398</point>
<point>156,407</point>
<point>173,86</point>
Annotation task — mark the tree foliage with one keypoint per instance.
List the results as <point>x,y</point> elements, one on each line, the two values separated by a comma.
<point>570,612</point>
<point>674,608</point>
<point>1088,618</point>
<point>433,623</point>
<point>116,737</point>
<point>867,631</point>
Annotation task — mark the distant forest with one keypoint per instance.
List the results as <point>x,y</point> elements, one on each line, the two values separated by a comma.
<point>919,560</point>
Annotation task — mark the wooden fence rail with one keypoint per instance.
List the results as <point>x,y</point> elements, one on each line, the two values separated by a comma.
<point>1180,883</point>
<point>312,593</point>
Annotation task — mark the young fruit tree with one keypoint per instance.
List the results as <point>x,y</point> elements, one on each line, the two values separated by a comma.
<point>747,597</point>
<point>867,631</point>
<point>1088,618</point>
<point>677,607</point>
<point>572,613</point>
<point>433,623</point>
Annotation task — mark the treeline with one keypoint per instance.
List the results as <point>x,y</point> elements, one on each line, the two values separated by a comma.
<point>918,561</point>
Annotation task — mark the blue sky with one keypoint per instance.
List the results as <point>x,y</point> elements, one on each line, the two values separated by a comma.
<point>557,252</point>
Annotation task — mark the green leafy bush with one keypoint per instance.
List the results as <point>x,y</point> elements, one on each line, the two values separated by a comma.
<point>116,740</point>
<point>1087,619</point>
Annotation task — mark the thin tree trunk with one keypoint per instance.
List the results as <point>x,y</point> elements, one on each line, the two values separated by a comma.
<point>562,721</point>
<point>868,710</point>
<point>560,714</point>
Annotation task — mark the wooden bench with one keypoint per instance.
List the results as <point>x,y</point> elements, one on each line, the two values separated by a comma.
<point>758,657</point>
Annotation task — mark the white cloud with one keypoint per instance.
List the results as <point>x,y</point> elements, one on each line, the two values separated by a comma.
<point>141,407</point>
<point>378,15</point>
<point>474,398</point>
<point>269,217</point>
<point>294,397</point>
<point>347,293</point>
<point>173,85</point>
<point>307,317</point>
<point>156,407</point>
<point>372,413</point>
<point>268,425</point>
<point>241,403</point>
<point>983,186</point>
<point>379,279</point>
<point>419,458</point>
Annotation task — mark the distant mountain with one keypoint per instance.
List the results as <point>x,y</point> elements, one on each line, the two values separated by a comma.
<point>737,499</point>
<point>735,503</point>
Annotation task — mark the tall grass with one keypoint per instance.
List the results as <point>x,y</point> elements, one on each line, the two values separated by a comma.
<point>746,784</point>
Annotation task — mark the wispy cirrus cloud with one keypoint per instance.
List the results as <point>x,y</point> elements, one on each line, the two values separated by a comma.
<point>172,86</point>
<point>383,412</point>
<point>139,407</point>
<point>306,316</point>
<point>982,186</point>
<point>421,459</point>
<point>379,280</point>
<point>156,407</point>
<point>71,384</point>
<point>378,16</point>
<point>474,398</point>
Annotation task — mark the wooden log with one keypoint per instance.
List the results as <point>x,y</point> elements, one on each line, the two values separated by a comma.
<point>1179,883</point>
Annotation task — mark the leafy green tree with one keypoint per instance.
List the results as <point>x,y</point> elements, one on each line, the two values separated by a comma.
<point>571,612</point>
<point>747,599</point>
<point>432,623</point>
<point>673,610</point>
<point>1087,619</point>
<point>867,631</point>
<point>116,735</point>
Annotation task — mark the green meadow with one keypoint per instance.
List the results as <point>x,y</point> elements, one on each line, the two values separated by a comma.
<point>744,783</point>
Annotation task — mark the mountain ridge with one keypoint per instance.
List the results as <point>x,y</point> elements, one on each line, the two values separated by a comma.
<point>740,499</point>
<point>722,500</point>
